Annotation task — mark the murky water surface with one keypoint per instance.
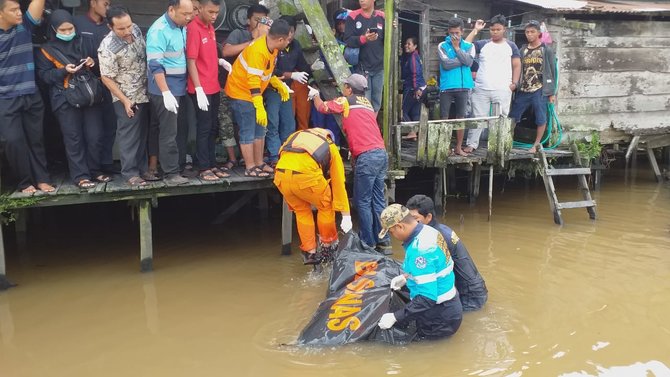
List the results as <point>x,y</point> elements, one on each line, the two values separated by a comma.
<point>588,298</point>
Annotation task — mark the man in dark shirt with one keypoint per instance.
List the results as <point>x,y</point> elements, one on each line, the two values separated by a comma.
<point>93,23</point>
<point>364,29</point>
<point>21,107</point>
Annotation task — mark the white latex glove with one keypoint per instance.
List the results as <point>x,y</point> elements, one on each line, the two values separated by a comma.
<point>224,63</point>
<point>318,65</point>
<point>312,93</point>
<point>309,29</point>
<point>387,321</point>
<point>398,282</point>
<point>346,224</point>
<point>203,102</point>
<point>300,77</point>
<point>170,102</point>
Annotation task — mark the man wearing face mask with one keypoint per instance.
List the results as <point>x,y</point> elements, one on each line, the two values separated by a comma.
<point>21,107</point>
<point>166,55</point>
<point>62,61</point>
<point>456,58</point>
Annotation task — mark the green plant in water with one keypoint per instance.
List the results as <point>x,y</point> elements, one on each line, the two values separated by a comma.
<point>8,205</point>
<point>589,148</point>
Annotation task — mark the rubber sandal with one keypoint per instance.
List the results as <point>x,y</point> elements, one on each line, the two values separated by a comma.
<point>263,166</point>
<point>102,178</point>
<point>229,165</point>
<point>151,177</point>
<point>255,172</point>
<point>137,182</point>
<point>208,175</point>
<point>86,184</point>
<point>220,173</point>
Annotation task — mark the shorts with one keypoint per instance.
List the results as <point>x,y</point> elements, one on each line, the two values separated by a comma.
<point>245,116</point>
<point>522,101</point>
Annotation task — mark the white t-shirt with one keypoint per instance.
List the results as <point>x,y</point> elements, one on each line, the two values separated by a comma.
<point>495,64</point>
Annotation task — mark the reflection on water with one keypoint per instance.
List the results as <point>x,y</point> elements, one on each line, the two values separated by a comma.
<point>585,299</point>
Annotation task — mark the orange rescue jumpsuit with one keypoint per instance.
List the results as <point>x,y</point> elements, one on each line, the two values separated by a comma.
<point>301,181</point>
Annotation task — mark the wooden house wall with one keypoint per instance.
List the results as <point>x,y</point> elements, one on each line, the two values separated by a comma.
<point>614,75</point>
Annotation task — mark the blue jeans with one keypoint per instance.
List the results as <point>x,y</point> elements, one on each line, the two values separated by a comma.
<point>245,115</point>
<point>281,122</point>
<point>369,175</point>
<point>375,86</point>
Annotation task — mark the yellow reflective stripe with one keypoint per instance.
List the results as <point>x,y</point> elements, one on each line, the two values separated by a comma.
<point>254,71</point>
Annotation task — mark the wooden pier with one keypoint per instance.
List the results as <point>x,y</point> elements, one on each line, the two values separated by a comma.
<point>143,199</point>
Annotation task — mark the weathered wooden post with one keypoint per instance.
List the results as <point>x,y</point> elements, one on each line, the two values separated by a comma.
<point>4,282</point>
<point>146,241</point>
<point>286,229</point>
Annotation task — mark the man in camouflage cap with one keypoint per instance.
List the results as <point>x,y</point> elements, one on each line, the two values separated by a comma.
<point>428,267</point>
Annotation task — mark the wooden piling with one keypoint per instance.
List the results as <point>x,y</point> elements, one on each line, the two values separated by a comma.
<point>4,282</point>
<point>286,229</point>
<point>146,241</point>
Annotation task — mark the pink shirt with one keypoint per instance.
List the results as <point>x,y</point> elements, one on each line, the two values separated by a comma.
<point>201,46</point>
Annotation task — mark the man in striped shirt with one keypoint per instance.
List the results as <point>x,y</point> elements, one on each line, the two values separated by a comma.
<point>166,56</point>
<point>21,107</point>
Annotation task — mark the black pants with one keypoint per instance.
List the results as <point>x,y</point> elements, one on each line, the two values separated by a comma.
<point>131,136</point>
<point>207,129</point>
<point>109,129</point>
<point>168,152</point>
<point>460,100</point>
<point>22,134</point>
<point>82,130</point>
<point>187,116</point>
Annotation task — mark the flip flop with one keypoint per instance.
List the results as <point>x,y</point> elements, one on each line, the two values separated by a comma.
<point>229,165</point>
<point>208,175</point>
<point>255,172</point>
<point>86,184</point>
<point>220,173</point>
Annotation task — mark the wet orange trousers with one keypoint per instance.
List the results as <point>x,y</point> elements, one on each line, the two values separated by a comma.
<point>301,105</point>
<point>301,192</point>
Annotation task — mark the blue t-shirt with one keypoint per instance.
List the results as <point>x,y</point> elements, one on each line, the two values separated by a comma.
<point>17,65</point>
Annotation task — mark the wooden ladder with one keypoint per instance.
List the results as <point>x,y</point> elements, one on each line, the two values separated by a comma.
<point>581,173</point>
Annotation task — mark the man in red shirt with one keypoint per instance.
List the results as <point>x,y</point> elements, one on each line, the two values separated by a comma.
<point>370,159</point>
<point>202,62</point>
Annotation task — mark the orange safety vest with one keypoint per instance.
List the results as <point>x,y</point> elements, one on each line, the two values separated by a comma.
<point>314,141</point>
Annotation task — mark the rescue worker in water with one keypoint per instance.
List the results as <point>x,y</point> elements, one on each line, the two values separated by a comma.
<point>428,274</point>
<point>310,173</point>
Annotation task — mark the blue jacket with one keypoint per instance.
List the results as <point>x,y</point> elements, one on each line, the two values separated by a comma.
<point>429,265</point>
<point>455,67</point>
<point>412,72</point>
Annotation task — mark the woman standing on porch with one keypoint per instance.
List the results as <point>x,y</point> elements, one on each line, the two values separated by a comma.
<point>413,84</point>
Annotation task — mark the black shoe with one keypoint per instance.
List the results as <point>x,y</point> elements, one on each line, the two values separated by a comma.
<point>310,258</point>
<point>384,248</point>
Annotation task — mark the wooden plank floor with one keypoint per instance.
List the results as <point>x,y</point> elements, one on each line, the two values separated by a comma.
<point>117,189</point>
<point>409,148</point>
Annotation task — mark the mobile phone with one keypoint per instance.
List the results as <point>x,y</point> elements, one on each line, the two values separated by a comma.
<point>81,64</point>
<point>134,107</point>
<point>374,30</point>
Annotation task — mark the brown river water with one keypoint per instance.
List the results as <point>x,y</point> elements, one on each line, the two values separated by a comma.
<point>585,299</point>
